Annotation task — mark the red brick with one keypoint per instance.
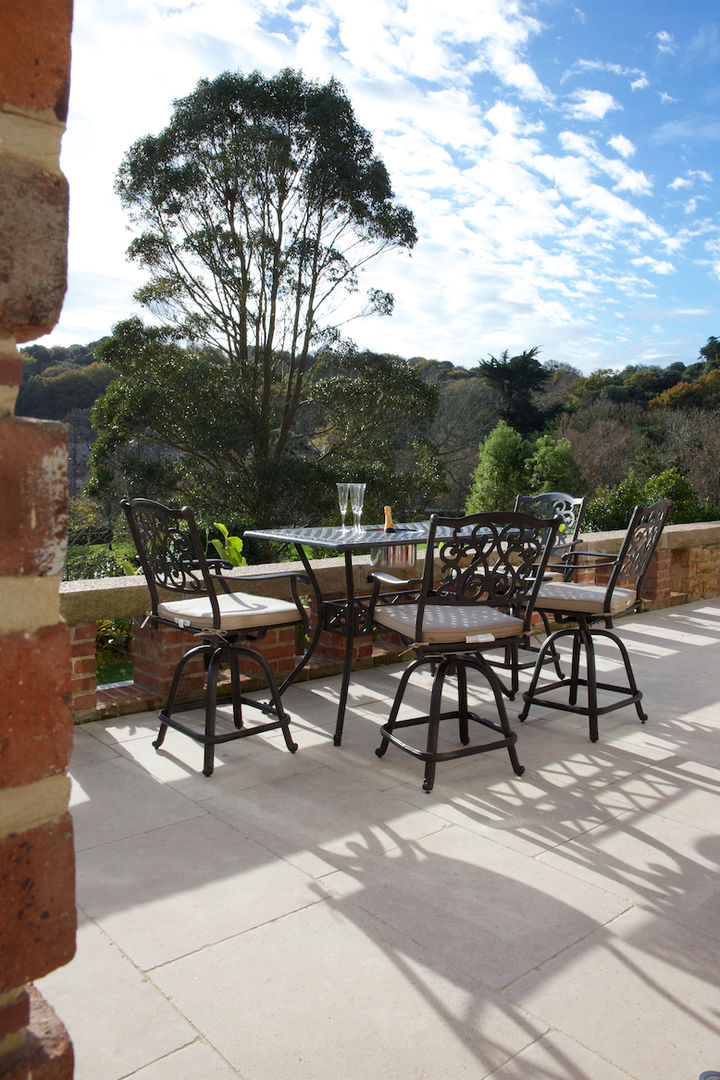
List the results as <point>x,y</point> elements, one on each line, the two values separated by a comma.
<point>47,1053</point>
<point>10,369</point>
<point>33,475</point>
<point>35,55</point>
<point>84,665</point>
<point>36,728</point>
<point>37,902</point>
<point>84,633</point>
<point>33,226</point>
<point>16,1016</point>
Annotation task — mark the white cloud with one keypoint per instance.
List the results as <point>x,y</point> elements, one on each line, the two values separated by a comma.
<point>622,146</point>
<point>656,266</point>
<point>640,83</point>
<point>666,99</point>
<point>665,42</point>
<point>592,104</point>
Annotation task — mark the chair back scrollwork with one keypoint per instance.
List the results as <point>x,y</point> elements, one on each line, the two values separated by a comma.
<point>494,559</point>
<point>170,549</point>
<point>638,548</point>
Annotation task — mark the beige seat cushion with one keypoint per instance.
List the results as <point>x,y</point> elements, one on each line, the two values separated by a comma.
<point>566,596</point>
<point>447,622</point>
<point>238,611</point>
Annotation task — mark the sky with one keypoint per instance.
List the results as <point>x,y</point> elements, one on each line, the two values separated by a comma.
<point>561,159</point>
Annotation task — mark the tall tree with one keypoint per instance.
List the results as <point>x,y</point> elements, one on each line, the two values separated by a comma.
<point>517,380</point>
<point>260,204</point>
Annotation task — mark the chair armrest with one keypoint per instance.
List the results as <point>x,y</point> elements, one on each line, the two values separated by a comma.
<point>384,578</point>
<point>379,578</point>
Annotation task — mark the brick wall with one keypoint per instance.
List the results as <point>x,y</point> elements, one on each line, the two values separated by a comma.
<point>37,908</point>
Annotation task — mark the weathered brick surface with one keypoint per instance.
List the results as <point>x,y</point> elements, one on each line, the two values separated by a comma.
<point>35,55</point>
<point>37,902</point>
<point>10,369</point>
<point>15,1016</point>
<point>33,226</point>
<point>157,650</point>
<point>33,482</point>
<point>36,725</point>
<point>47,1053</point>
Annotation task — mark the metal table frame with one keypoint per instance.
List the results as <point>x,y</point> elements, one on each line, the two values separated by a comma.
<point>345,617</point>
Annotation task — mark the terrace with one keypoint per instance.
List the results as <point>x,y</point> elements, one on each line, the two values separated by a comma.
<point>318,916</point>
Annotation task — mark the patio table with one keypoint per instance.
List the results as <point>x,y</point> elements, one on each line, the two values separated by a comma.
<point>345,617</point>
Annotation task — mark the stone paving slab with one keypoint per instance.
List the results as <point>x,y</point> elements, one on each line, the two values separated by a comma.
<point>317,915</point>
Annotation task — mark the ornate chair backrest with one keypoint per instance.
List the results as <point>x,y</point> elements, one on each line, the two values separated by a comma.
<point>493,559</point>
<point>638,547</point>
<point>557,504</point>
<point>170,549</point>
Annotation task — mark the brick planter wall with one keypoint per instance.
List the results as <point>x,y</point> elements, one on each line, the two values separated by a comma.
<point>37,897</point>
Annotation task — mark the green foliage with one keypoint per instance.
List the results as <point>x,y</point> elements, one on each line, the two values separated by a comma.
<point>113,640</point>
<point>261,200</point>
<point>552,467</point>
<point>509,465</point>
<point>56,392</point>
<point>500,471</point>
<point>230,548</point>
<point>612,507</point>
<point>93,561</point>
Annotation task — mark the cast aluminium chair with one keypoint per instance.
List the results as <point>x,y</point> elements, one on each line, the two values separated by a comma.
<point>227,623</point>
<point>476,568</point>
<point>578,608</point>
<point>571,511</point>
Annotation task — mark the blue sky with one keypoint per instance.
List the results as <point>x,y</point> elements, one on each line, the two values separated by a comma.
<point>561,158</point>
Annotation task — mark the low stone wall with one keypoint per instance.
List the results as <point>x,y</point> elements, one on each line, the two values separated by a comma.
<point>685,567</point>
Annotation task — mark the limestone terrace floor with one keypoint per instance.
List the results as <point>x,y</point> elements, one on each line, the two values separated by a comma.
<point>318,917</point>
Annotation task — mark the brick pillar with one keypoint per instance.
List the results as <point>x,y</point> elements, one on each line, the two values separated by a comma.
<point>37,901</point>
<point>83,650</point>
<point>657,585</point>
<point>157,650</point>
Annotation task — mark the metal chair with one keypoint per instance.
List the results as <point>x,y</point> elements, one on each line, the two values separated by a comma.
<point>487,564</point>
<point>579,607</point>
<point>173,560</point>
<point>571,510</point>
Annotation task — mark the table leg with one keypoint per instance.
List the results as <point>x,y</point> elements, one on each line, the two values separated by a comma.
<point>349,643</point>
<point>312,645</point>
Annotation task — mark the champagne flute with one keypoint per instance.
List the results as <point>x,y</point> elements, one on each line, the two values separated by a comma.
<point>343,496</point>
<point>357,497</point>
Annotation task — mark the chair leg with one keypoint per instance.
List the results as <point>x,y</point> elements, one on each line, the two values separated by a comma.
<point>211,711</point>
<point>234,666</point>
<point>390,724</point>
<point>276,701</point>
<point>431,747</point>
<point>496,687</point>
<point>547,646</point>
<point>172,693</point>
<point>555,655</point>
<point>591,670</point>
<point>575,668</point>
<point>463,713</point>
<point>632,684</point>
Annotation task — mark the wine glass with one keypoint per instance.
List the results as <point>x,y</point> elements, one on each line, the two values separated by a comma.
<point>343,496</point>
<point>357,497</point>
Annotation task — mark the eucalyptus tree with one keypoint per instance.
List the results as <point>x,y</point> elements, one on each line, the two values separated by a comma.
<point>260,205</point>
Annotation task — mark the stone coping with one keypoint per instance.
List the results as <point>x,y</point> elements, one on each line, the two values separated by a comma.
<point>88,601</point>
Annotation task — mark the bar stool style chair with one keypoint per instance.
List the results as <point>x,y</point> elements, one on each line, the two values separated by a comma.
<point>570,510</point>
<point>228,623</point>
<point>552,504</point>
<point>582,606</point>
<point>487,564</point>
